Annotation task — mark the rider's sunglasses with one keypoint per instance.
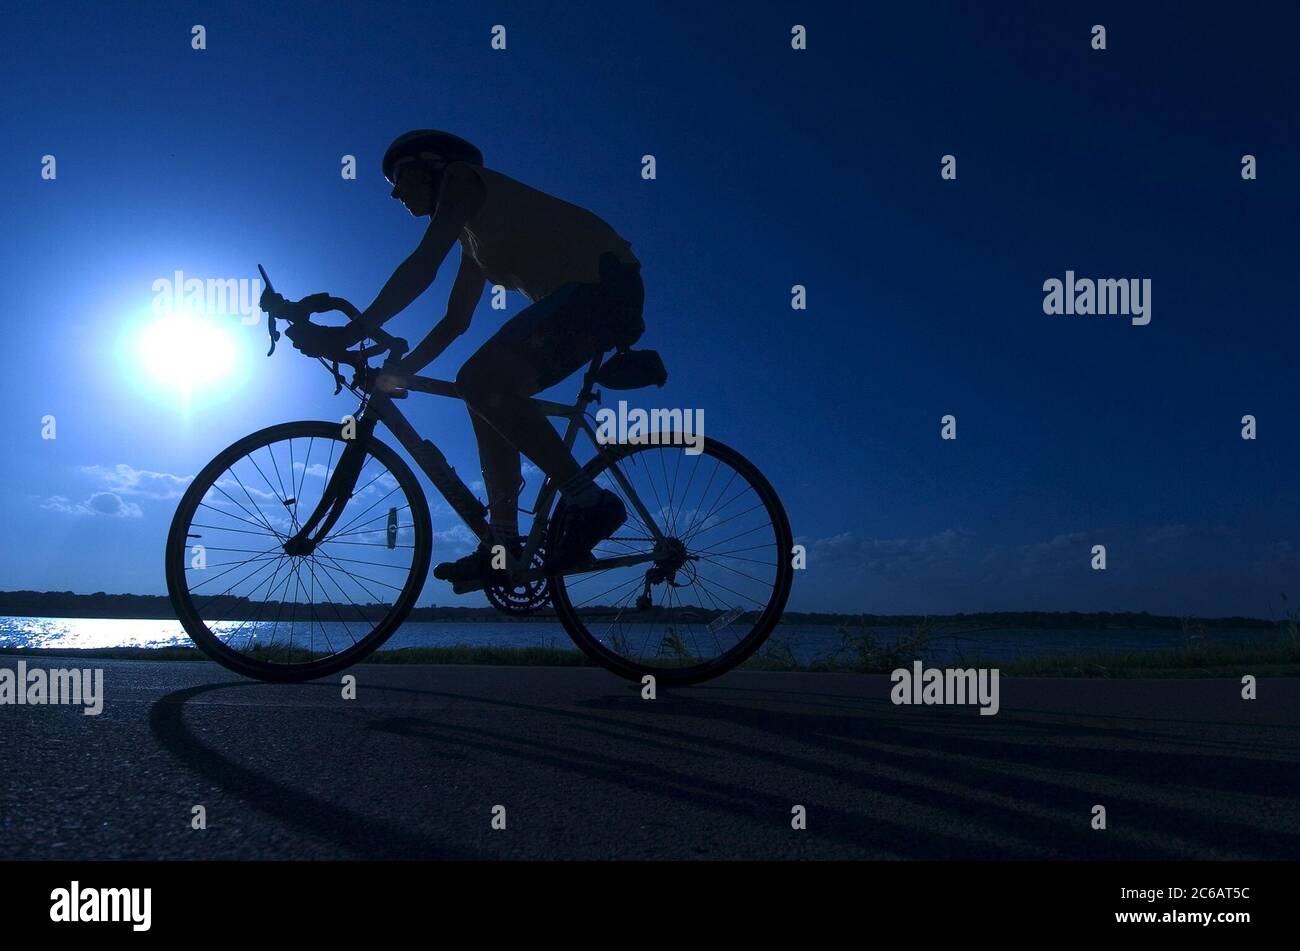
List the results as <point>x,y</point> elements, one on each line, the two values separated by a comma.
<point>397,179</point>
<point>403,170</point>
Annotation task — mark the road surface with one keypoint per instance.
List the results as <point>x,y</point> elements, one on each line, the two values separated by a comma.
<point>585,768</point>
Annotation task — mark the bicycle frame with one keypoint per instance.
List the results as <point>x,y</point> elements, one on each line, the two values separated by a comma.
<point>377,406</point>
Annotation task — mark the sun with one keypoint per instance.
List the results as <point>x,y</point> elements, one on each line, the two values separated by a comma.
<point>186,351</point>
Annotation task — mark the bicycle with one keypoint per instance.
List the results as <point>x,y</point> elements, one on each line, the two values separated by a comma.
<point>246,509</point>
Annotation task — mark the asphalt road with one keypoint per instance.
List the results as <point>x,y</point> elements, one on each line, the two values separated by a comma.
<point>587,769</point>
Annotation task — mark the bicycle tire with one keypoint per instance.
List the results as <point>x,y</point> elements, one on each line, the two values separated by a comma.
<point>177,552</point>
<point>593,647</point>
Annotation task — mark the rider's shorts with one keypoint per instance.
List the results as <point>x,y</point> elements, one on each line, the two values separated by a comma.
<point>565,330</point>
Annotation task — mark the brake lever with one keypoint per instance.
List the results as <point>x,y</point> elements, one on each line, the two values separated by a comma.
<point>270,318</point>
<point>311,304</point>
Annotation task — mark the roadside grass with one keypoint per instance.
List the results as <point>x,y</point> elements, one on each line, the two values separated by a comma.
<point>862,651</point>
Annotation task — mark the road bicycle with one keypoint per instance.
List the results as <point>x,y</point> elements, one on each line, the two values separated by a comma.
<point>302,547</point>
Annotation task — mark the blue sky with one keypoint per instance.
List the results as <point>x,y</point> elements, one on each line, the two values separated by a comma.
<point>775,168</point>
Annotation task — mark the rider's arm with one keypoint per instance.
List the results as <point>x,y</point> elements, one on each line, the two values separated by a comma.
<point>465,294</point>
<point>460,197</point>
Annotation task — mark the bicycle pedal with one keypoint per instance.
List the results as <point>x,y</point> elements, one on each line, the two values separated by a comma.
<point>498,577</point>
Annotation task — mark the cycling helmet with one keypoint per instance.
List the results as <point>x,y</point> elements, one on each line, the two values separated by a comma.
<point>429,145</point>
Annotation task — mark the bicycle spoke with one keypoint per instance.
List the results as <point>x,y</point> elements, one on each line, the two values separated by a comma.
<point>249,496</point>
<point>252,520</point>
<point>359,578</point>
<point>729,568</point>
<point>730,518</point>
<point>607,590</point>
<point>233,586</point>
<point>377,564</point>
<point>236,517</point>
<point>737,593</point>
<point>263,556</point>
<point>270,582</point>
<point>362,531</point>
<point>709,513</point>
<point>360,616</point>
<point>371,506</point>
<point>328,643</point>
<point>752,561</point>
<point>757,528</point>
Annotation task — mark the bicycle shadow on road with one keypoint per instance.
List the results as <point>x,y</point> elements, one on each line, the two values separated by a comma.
<point>998,777</point>
<point>929,783</point>
<point>364,835</point>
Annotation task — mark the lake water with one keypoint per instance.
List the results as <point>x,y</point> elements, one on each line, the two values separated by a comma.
<point>806,642</point>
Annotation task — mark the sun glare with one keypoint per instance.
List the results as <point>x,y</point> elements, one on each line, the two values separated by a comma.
<point>187,352</point>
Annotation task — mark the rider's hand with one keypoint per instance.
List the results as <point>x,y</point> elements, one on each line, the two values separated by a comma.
<point>275,304</point>
<point>317,341</point>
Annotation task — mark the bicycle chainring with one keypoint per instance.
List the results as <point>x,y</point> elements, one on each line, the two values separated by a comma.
<point>523,598</point>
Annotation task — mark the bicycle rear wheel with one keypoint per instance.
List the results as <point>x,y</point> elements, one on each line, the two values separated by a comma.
<point>719,585</point>
<point>259,611</point>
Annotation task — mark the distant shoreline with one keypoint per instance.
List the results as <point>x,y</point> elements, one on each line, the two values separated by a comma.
<point>66,604</point>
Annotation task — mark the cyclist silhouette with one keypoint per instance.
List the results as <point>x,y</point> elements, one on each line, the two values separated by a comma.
<point>587,295</point>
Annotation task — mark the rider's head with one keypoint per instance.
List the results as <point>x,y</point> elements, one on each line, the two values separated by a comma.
<point>414,164</point>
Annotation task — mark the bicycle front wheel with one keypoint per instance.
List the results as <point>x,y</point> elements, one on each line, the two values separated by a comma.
<point>715,588</point>
<point>262,612</point>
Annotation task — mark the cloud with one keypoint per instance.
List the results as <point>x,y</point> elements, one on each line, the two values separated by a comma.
<point>316,469</point>
<point>1059,553</point>
<point>236,488</point>
<point>106,504</point>
<point>457,538</point>
<point>894,555</point>
<point>116,488</point>
<point>1163,567</point>
<point>127,480</point>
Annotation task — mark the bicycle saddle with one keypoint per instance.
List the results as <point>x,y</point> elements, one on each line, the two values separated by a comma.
<point>632,369</point>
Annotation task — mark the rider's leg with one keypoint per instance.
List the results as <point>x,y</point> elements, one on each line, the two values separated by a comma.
<point>540,346</point>
<point>500,462</point>
<point>501,475</point>
<point>496,383</point>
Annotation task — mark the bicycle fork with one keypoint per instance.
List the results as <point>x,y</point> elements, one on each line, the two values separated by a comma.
<point>336,495</point>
